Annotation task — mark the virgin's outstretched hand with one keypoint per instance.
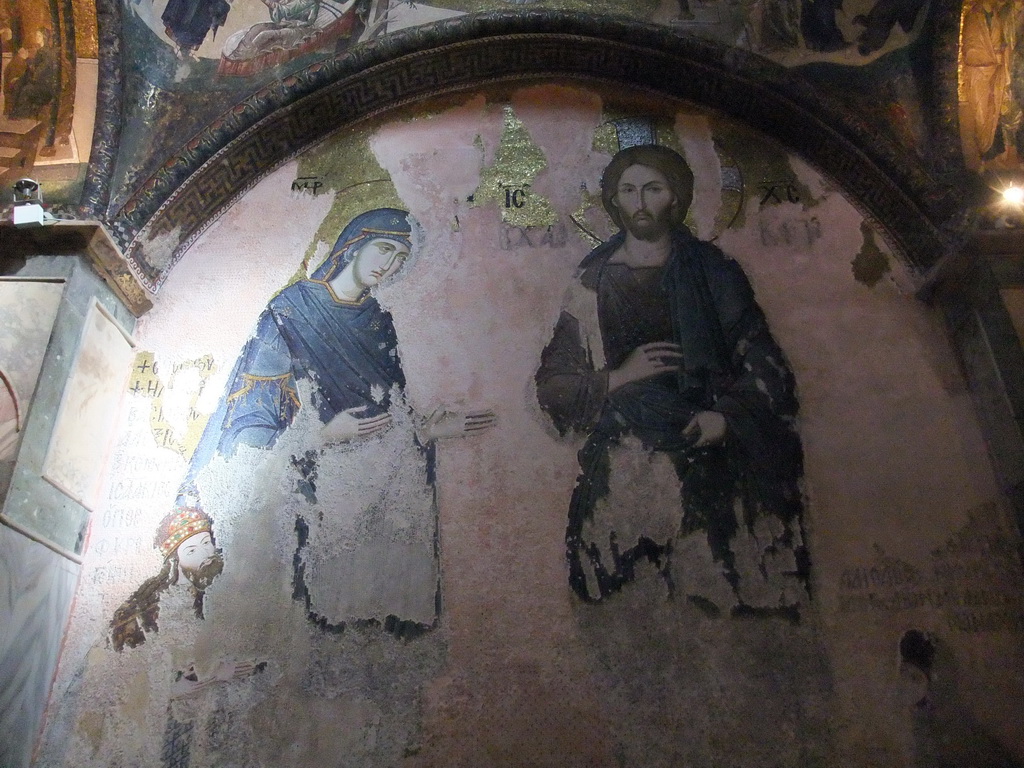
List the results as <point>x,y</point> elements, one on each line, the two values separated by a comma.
<point>444,423</point>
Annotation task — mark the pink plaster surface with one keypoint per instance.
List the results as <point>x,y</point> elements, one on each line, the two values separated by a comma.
<point>214,295</point>
<point>513,647</point>
<point>894,457</point>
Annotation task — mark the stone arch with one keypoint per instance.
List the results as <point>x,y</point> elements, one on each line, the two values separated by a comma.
<point>920,214</point>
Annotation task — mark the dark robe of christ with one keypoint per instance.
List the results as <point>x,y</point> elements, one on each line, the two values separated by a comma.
<point>702,301</point>
<point>188,22</point>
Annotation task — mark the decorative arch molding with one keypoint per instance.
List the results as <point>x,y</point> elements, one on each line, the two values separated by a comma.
<point>106,134</point>
<point>921,214</point>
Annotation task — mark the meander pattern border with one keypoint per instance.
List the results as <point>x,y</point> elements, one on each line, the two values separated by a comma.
<point>921,212</point>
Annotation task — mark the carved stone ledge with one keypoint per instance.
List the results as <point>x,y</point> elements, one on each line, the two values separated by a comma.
<point>1004,252</point>
<point>80,238</point>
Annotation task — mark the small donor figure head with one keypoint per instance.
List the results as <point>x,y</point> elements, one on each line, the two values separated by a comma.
<point>185,539</point>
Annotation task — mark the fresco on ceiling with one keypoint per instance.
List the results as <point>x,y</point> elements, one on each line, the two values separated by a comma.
<point>792,32</point>
<point>247,38</point>
<point>47,95</point>
<point>992,84</point>
<point>575,435</point>
<point>196,60</point>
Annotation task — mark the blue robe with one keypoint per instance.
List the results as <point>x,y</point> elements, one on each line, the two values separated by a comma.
<point>349,349</point>
<point>349,352</point>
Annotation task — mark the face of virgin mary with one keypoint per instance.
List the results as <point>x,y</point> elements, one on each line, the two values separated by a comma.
<point>378,259</point>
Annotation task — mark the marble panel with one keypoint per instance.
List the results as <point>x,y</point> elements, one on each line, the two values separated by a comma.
<point>76,455</point>
<point>86,285</point>
<point>27,311</point>
<point>37,505</point>
<point>36,590</point>
<point>31,503</point>
<point>47,266</point>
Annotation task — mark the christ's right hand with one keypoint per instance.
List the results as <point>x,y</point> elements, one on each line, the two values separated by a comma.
<point>645,361</point>
<point>348,426</point>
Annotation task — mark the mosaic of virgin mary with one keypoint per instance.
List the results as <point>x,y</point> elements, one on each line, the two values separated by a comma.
<point>365,516</point>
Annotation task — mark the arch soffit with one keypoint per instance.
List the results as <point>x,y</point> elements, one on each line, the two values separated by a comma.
<point>921,216</point>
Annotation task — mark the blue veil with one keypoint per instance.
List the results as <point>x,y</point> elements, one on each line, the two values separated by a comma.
<point>390,223</point>
<point>261,398</point>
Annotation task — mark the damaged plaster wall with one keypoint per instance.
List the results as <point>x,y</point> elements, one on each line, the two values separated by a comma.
<point>316,650</point>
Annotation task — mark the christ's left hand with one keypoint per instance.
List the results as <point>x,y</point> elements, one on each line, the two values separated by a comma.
<point>708,427</point>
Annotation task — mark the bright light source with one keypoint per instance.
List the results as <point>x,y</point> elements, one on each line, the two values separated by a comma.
<point>1014,195</point>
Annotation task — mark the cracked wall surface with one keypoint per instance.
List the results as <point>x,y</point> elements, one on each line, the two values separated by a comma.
<point>392,582</point>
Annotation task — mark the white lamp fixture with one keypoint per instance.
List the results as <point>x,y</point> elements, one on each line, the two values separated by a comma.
<point>28,205</point>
